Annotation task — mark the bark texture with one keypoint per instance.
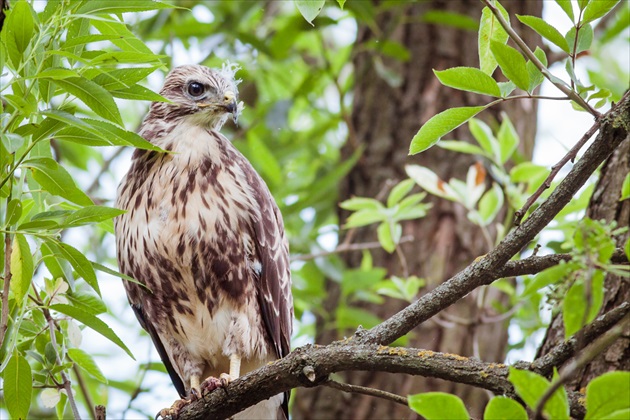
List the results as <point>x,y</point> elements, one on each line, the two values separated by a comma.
<point>604,205</point>
<point>386,115</point>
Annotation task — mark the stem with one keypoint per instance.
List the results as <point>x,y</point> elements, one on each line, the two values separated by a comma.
<point>570,156</point>
<point>67,385</point>
<point>540,66</point>
<point>366,391</point>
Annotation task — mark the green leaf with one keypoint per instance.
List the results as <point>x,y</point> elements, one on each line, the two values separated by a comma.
<point>93,322</point>
<point>80,263</point>
<point>387,237</point>
<point>512,64</point>
<point>56,180</point>
<point>17,386</point>
<point>441,124</point>
<point>535,76</point>
<point>108,270</point>
<point>627,248</point>
<point>129,6</point>
<point>121,78</point>
<point>625,188</point>
<point>483,134</point>
<point>138,93</point>
<point>438,406</point>
<point>490,204</point>
<point>531,386</point>
<point>364,218</point>
<point>567,7</point>
<point>91,214</point>
<point>545,30</point>
<point>597,9</point>
<point>490,30</point>
<point>469,79</point>
<point>504,408</point>
<point>585,38</point>
<point>608,396</point>
<point>86,363</point>
<point>508,138</point>
<point>20,24</point>
<point>399,191</point>
<point>56,73</point>
<point>21,267</point>
<point>547,277</point>
<point>462,147</point>
<point>14,211</point>
<point>583,3</point>
<point>361,203</point>
<point>12,141</point>
<point>309,8</point>
<point>575,304</point>
<point>94,96</point>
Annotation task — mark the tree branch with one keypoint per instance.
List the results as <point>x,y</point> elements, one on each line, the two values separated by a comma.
<point>310,366</point>
<point>482,272</point>
<point>366,391</point>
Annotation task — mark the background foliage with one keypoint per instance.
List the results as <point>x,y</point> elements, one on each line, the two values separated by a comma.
<point>74,77</point>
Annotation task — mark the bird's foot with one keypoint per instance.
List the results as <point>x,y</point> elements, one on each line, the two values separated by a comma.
<point>211,383</point>
<point>172,412</point>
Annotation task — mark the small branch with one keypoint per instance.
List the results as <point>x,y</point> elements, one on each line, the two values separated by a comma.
<point>104,168</point>
<point>346,248</point>
<point>540,66</point>
<point>564,351</point>
<point>356,389</point>
<point>598,347</point>
<point>85,391</point>
<point>570,156</point>
<point>67,385</point>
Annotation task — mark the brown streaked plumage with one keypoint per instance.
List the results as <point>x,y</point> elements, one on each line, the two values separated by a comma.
<point>205,236</point>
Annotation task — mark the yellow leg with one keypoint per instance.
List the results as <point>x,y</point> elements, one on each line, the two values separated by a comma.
<point>194,385</point>
<point>235,366</point>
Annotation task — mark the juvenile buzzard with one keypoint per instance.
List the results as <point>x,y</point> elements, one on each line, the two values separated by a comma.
<point>205,236</point>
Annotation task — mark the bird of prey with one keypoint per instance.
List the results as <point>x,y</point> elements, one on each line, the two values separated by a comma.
<point>204,237</point>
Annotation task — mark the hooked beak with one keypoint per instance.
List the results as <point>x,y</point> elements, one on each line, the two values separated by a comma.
<point>229,104</point>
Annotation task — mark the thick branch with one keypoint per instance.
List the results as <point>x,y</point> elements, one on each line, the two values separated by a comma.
<point>310,366</point>
<point>613,131</point>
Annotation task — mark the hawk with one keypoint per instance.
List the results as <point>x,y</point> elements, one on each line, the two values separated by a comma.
<point>204,237</point>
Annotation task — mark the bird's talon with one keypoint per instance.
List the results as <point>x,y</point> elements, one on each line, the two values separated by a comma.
<point>225,379</point>
<point>210,384</point>
<point>172,412</point>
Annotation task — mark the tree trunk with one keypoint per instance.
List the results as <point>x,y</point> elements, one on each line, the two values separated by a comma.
<point>604,205</point>
<point>385,117</point>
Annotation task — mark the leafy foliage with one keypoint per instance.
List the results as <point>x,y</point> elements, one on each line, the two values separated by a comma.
<point>73,87</point>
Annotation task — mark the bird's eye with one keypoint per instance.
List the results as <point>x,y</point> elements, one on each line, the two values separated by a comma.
<point>195,89</point>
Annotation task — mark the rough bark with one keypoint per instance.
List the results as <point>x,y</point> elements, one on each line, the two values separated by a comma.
<point>604,205</point>
<point>384,119</point>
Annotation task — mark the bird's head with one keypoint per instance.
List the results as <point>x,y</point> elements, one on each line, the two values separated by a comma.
<point>205,96</point>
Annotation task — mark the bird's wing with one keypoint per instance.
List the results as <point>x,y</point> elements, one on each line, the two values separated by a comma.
<point>274,283</point>
<point>149,327</point>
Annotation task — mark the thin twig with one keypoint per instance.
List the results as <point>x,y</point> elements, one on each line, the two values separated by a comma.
<point>570,156</point>
<point>104,168</point>
<point>346,248</point>
<point>597,348</point>
<point>84,390</point>
<point>540,66</point>
<point>67,385</point>
<point>356,389</point>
